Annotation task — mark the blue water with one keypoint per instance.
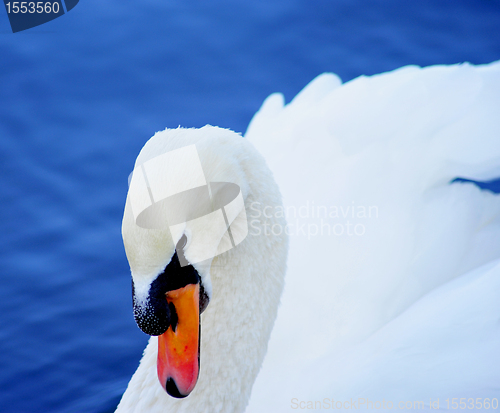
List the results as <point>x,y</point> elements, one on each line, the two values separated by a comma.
<point>80,95</point>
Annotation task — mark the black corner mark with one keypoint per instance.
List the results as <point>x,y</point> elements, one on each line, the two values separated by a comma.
<point>70,4</point>
<point>24,15</point>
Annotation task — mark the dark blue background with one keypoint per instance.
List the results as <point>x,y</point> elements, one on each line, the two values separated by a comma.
<point>80,95</point>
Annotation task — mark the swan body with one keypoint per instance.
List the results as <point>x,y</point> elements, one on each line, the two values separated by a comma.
<point>393,271</point>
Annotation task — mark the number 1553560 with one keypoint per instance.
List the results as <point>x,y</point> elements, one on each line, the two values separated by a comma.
<point>32,7</point>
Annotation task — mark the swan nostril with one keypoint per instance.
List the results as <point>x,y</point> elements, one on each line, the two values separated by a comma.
<point>172,389</point>
<point>174,319</point>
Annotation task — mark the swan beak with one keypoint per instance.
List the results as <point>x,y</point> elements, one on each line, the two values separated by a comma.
<point>178,361</point>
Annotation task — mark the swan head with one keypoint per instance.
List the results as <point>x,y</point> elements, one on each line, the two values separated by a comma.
<point>185,206</point>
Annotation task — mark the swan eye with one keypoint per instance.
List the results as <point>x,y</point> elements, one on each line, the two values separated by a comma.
<point>204,299</point>
<point>179,248</point>
<point>182,242</point>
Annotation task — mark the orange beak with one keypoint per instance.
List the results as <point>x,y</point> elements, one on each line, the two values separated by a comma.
<point>178,361</point>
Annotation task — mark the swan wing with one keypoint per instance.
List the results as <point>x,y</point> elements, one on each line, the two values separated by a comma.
<point>381,243</point>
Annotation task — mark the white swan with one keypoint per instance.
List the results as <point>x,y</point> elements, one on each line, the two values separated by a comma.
<point>403,309</point>
<point>244,283</point>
